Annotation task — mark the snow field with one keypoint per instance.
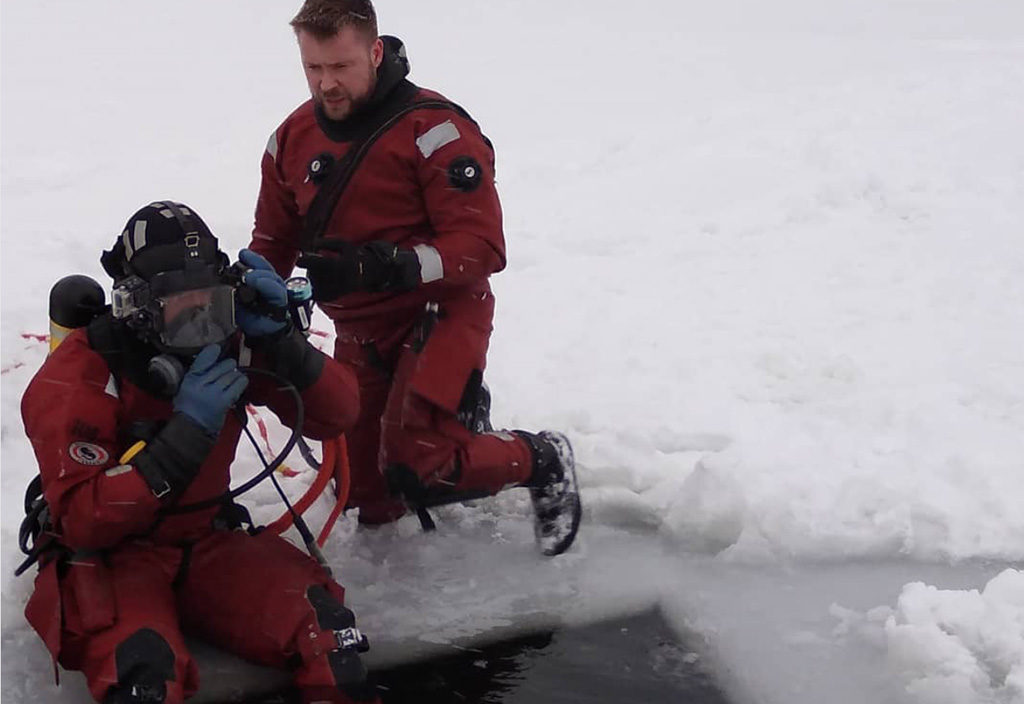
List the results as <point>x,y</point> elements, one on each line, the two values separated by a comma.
<point>951,646</point>
<point>765,269</point>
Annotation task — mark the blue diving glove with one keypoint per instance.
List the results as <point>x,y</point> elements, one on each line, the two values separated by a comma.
<point>263,310</point>
<point>209,389</point>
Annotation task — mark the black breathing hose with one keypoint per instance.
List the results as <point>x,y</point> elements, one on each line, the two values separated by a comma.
<point>268,471</point>
<point>297,520</point>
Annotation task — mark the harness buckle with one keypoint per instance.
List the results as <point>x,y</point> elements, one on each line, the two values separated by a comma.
<point>351,638</point>
<point>163,490</point>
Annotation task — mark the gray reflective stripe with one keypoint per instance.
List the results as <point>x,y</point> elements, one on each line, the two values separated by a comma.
<point>431,267</point>
<point>119,469</point>
<point>139,237</point>
<point>436,137</point>
<point>166,212</point>
<point>272,145</point>
<point>111,387</point>
<point>127,242</point>
<point>244,354</point>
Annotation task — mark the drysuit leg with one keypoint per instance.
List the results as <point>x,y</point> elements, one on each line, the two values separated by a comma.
<point>431,447</point>
<point>369,490</point>
<point>265,600</point>
<point>331,644</point>
<point>424,434</point>
<point>121,628</point>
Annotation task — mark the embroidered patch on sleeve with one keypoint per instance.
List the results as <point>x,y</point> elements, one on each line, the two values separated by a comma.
<point>88,453</point>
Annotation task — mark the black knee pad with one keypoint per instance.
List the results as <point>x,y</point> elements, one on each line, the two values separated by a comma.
<point>350,674</point>
<point>145,664</point>
<point>330,613</point>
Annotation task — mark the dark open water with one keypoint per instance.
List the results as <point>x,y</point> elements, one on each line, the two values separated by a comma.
<point>634,659</point>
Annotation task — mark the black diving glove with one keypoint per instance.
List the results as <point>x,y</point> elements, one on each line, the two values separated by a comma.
<point>375,266</point>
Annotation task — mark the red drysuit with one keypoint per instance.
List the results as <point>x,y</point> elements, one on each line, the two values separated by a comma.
<point>409,189</point>
<point>136,579</point>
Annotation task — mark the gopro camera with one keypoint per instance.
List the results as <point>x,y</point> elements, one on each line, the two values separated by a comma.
<point>129,297</point>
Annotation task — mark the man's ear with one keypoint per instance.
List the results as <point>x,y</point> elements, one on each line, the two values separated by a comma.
<point>377,52</point>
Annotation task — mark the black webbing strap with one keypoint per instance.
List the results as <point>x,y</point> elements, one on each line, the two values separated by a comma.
<point>399,104</point>
<point>186,562</point>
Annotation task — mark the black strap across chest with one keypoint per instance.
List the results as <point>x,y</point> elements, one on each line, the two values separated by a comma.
<point>399,104</point>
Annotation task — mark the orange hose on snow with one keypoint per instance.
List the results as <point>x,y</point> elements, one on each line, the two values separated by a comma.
<point>342,483</point>
<point>315,489</point>
<point>334,464</point>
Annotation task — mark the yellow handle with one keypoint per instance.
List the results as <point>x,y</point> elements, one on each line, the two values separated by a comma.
<point>132,451</point>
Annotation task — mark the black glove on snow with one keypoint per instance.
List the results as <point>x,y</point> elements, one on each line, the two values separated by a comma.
<point>374,266</point>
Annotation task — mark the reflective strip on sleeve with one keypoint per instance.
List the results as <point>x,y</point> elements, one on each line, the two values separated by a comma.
<point>431,267</point>
<point>118,470</point>
<point>244,354</point>
<point>111,388</point>
<point>436,137</point>
<point>272,145</point>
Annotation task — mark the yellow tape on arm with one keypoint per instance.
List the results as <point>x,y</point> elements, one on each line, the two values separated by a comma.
<point>132,451</point>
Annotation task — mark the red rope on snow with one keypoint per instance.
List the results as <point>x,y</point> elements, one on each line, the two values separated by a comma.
<point>261,426</point>
<point>284,522</point>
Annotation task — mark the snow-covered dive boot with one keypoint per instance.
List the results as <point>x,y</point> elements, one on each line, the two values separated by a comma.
<point>554,491</point>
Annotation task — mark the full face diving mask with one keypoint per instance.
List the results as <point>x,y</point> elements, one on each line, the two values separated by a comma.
<point>179,311</point>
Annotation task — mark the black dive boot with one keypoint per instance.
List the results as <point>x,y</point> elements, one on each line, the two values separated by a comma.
<point>554,491</point>
<point>475,408</point>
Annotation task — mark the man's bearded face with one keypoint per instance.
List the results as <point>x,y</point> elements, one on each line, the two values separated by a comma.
<point>342,70</point>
